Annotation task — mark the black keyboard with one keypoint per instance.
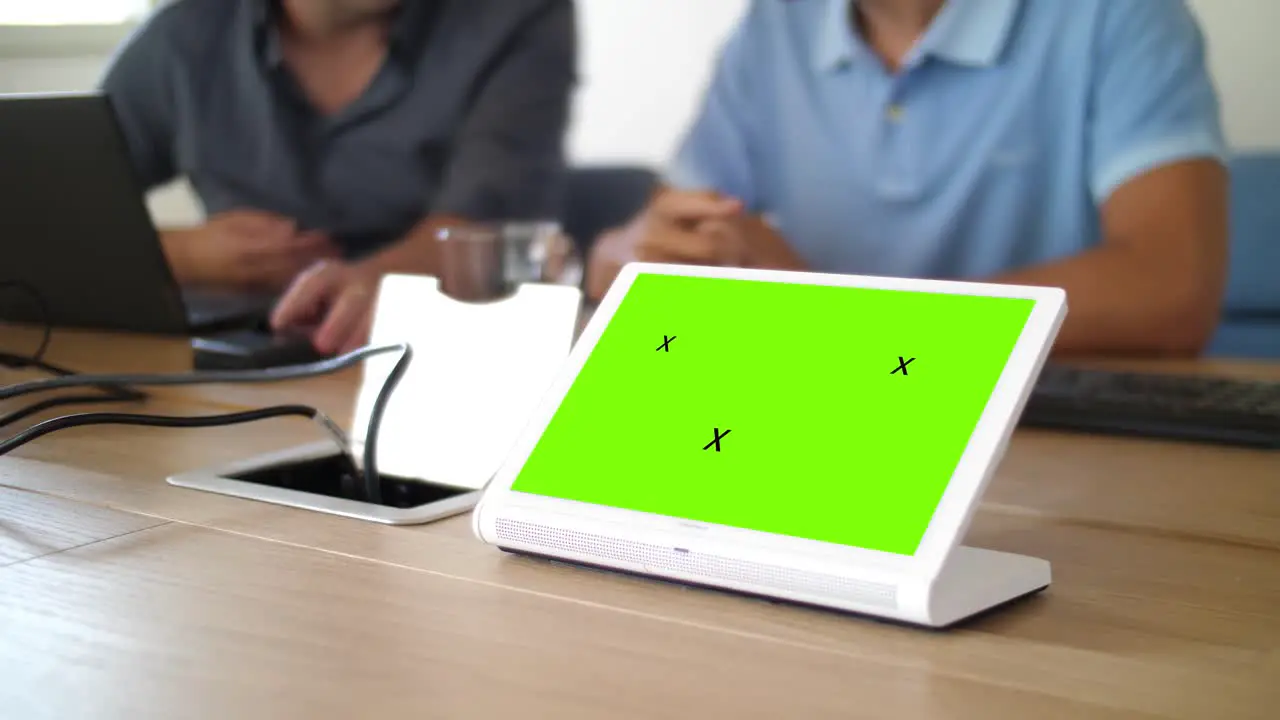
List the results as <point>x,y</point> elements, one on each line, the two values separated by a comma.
<point>1176,407</point>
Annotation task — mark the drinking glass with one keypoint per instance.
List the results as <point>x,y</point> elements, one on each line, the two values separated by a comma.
<point>489,261</point>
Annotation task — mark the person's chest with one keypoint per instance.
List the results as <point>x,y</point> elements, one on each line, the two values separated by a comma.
<point>331,82</point>
<point>360,158</point>
<point>942,170</point>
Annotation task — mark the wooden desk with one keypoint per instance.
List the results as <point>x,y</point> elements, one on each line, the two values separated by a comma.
<point>1166,601</point>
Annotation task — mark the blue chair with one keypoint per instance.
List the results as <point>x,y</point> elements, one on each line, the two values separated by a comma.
<point>1250,326</point>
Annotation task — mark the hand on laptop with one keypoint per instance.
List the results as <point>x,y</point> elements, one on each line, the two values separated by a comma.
<point>692,227</point>
<point>333,302</point>
<point>245,249</point>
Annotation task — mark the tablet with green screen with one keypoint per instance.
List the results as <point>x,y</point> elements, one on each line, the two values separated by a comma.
<point>827,412</point>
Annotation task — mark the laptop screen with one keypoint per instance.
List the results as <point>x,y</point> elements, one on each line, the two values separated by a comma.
<point>835,414</point>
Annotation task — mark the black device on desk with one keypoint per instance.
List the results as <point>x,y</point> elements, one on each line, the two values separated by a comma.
<point>76,232</point>
<point>252,349</point>
<point>1179,407</point>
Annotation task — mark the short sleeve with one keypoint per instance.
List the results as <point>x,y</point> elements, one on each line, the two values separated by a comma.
<point>715,153</point>
<point>136,82</point>
<point>1153,99</point>
<point>508,160</point>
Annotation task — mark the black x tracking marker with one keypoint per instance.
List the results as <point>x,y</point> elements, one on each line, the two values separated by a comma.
<point>902,365</point>
<point>666,343</point>
<point>716,442</point>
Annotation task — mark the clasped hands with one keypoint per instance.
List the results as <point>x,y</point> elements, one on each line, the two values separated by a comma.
<point>689,227</point>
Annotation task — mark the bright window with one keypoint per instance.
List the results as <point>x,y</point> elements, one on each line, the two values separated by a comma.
<point>67,28</point>
<point>71,12</point>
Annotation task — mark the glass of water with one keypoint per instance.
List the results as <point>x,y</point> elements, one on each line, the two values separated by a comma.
<point>489,261</point>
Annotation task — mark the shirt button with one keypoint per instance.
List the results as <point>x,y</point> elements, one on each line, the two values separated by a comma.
<point>895,113</point>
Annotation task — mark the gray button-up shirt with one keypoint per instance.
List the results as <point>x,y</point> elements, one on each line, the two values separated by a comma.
<point>467,116</point>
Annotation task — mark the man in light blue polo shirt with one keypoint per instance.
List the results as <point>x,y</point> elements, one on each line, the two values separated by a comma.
<point>1073,144</point>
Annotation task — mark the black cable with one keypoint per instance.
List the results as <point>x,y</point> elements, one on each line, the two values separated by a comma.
<point>369,469</point>
<point>39,407</point>
<point>22,362</point>
<point>117,388</point>
<point>372,482</point>
<point>206,377</point>
<point>111,393</point>
<point>43,309</point>
<point>205,421</point>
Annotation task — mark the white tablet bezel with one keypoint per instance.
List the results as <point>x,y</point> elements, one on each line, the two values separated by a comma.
<point>950,520</point>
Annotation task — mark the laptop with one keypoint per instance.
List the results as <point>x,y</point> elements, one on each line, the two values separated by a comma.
<point>76,232</point>
<point>809,438</point>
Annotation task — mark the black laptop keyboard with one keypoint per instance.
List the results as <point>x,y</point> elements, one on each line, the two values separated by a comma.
<point>1182,407</point>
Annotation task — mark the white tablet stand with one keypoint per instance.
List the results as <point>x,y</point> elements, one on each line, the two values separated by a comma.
<point>941,583</point>
<point>972,582</point>
<point>477,372</point>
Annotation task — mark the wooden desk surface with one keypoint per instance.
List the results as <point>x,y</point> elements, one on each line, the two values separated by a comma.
<point>121,596</point>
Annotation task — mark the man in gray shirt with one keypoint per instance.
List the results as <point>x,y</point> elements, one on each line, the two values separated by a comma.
<point>329,139</point>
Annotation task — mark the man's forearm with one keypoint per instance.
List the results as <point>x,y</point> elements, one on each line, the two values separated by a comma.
<point>1121,302</point>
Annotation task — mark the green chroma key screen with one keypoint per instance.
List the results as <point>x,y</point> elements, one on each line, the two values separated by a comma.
<point>830,413</point>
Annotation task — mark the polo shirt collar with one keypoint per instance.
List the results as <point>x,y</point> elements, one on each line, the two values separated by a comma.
<point>837,45</point>
<point>966,32</point>
<point>971,32</point>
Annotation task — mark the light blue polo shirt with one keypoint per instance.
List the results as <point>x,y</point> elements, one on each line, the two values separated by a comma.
<point>991,149</point>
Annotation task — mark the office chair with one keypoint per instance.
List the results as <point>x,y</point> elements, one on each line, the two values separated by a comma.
<point>1250,326</point>
<point>599,198</point>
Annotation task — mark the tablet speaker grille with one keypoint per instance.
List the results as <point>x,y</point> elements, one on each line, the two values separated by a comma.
<point>698,565</point>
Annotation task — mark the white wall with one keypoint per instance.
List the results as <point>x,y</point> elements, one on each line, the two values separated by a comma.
<point>645,63</point>
<point>1245,58</point>
<point>19,75</point>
